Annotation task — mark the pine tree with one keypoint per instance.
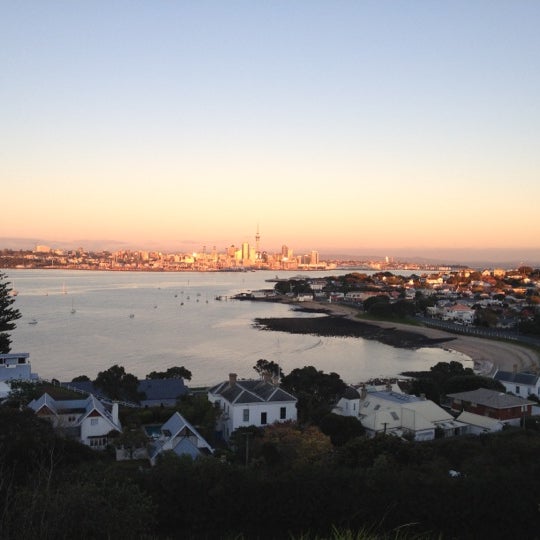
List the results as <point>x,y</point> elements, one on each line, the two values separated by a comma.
<point>8,314</point>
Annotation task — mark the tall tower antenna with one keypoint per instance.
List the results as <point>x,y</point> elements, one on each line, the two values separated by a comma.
<point>257,239</point>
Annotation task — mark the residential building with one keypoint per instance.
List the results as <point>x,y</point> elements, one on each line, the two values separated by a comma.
<point>507,408</point>
<point>520,384</point>
<point>251,403</point>
<point>86,420</point>
<point>157,392</point>
<point>390,412</point>
<point>15,366</point>
<point>177,435</point>
<point>479,424</point>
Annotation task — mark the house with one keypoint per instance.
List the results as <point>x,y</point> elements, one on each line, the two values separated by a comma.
<point>157,392</point>
<point>349,403</point>
<point>14,367</point>
<point>507,408</point>
<point>177,435</point>
<point>390,412</point>
<point>459,313</point>
<point>479,424</point>
<point>86,420</point>
<point>520,384</point>
<point>164,392</point>
<point>250,403</point>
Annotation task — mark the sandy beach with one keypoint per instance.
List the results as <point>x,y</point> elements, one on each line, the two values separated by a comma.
<point>488,355</point>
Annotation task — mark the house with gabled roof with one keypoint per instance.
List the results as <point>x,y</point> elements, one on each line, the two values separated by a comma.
<point>86,420</point>
<point>507,408</point>
<point>246,403</point>
<point>479,424</point>
<point>521,384</point>
<point>392,412</point>
<point>177,435</point>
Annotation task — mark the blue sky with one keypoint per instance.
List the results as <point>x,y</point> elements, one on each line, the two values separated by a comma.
<point>356,125</point>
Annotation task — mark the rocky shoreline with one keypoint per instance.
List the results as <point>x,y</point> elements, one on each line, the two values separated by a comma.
<point>340,326</point>
<point>341,321</point>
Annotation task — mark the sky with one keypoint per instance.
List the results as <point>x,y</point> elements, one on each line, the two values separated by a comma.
<point>358,126</point>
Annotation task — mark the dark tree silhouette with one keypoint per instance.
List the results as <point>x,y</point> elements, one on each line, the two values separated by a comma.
<point>8,314</point>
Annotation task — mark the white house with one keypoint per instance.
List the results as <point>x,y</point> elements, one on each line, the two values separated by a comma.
<point>179,436</point>
<point>86,420</point>
<point>479,424</point>
<point>391,412</point>
<point>519,384</point>
<point>459,313</point>
<point>14,367</point>
<point>250,403</point>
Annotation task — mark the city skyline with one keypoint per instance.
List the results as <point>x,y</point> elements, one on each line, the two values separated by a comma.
<point>369,128</point>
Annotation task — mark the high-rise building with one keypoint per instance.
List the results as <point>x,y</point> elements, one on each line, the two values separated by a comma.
<point>314,259</point>
<point>257,240</point>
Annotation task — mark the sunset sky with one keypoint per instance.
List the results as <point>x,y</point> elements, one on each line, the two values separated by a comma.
<point>357,126</point>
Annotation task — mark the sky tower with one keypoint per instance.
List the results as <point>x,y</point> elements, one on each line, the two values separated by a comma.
<point>257,239</point>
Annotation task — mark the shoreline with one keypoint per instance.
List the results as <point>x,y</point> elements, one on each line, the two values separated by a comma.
<point>487,355</point>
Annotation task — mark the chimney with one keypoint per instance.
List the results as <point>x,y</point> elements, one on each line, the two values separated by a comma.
<point>232,379</point>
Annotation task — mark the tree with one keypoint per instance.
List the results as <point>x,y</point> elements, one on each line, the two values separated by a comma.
<point>341,429</point>
<point>8,314</point>
<point>115,383</point>
<point>268,367</point>
<point>176,372</point>
<point>316,391</point>
<point>81,378</point>
<point>292,446</point>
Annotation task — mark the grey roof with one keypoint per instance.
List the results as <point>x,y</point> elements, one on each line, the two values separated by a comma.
<point>491,398</point>
<point>155,389</point>
<point>177,427</point>
<point>529,379</point>
<point>251,391</point>
<point>66,406</point>
<point>162,388</point>
<point>394,396</point>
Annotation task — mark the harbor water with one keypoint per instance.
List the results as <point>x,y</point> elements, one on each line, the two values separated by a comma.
<point>83,322</point>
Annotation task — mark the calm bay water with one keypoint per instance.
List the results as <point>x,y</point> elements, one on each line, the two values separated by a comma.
<point>152,321</point>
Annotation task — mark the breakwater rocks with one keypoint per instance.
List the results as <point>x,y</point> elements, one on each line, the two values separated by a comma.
<point>339,326</point>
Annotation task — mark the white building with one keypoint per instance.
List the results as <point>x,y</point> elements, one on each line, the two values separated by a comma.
<point>391,412</point>
<point>251,403</point>
<point>519,384</point>
<point>86,420</point>
<point>14,367</point>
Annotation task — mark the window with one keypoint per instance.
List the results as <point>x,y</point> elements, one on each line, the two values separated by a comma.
<point>246,415</point>
<point>93,421</point>
<point>263,419</point>
<point>517,389</point>
<point>283,413</point>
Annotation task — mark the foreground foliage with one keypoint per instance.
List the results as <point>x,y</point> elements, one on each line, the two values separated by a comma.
<point>365,488</point>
